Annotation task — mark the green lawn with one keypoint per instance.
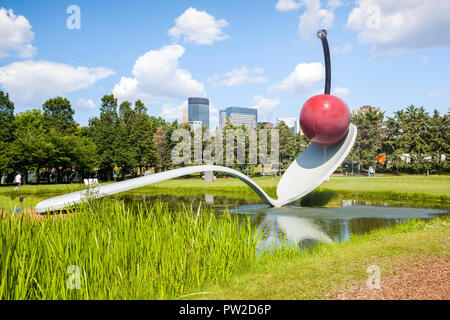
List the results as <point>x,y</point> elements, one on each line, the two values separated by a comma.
<point>433,185</point>
<point>319,272</point>
<point>41,189</point>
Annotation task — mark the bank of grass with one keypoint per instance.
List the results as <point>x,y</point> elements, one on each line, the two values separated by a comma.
<point>318,272</point>
<point>40,189</point>
<point>114,252</point>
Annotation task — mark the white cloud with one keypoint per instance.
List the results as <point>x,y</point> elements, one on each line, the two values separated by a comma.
<point>345,48</point>
<point>213,116</point>
<point>198,27</point>
<point>402,25</point>
<point>315,17</point>
<point>32,82</point>
<point>238,76</point>
<point>156,75</point>
<point>340,92</point>
<point>265,107</point>
<point>84,104</point>
<point>437,93</point>
<point>171,111</point>
<point>302,80</point>
<point>15,34</point>
<point>287,5</point>
<point>333,4</point>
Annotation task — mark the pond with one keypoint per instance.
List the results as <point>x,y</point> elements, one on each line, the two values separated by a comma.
<point>300,225</point>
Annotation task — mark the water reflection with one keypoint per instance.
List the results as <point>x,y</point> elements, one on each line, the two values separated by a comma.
<point>300,231</point>
<point>310,225</point>
<point>209,199</point>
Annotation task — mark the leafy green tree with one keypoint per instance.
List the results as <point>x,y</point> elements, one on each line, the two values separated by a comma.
<point>390,145</point>
<point>103,132</point>
<point>369,139</point>
<point>169,144</point>
<point>142,131</point>
<point>31,151</point>
<point>439,138</point>
<point>125,144</point>
<point>58,114</point>
<point>7,123</point>
<point>83,154</point>
<point>160,138</point>
<point>415,136</point>
<point>7,127</point>
<point>289,144</point>
<point>32,148</point>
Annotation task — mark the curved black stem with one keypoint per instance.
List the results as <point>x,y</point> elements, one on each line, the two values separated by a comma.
<point>322,35</point>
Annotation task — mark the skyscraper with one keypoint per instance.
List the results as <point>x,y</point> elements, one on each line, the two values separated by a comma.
<point>198,110</point>
<point>239,116</point>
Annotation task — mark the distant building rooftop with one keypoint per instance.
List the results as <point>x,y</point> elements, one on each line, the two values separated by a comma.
<point>365,109</point>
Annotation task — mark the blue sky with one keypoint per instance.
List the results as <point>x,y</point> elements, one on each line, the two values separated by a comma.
<point>237,53</point>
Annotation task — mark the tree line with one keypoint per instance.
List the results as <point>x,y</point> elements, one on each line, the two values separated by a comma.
<point>410,141</point>
<point>124,139</point>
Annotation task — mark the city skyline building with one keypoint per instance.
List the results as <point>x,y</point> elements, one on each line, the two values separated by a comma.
<point>198,110</point>
<point>239,116</point>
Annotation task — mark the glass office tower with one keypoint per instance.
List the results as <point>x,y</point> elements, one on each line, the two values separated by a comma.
<point>239,116</point>
<point>198,110</point>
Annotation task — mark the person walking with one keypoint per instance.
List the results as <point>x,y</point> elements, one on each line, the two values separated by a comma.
<point>371,172</point>
<point>18,180</point>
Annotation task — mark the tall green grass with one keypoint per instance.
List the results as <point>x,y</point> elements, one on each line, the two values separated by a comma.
<point>123,253</point>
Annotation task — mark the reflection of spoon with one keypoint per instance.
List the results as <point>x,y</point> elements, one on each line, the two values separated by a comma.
<point>314,165</point>
<point>297,229</point>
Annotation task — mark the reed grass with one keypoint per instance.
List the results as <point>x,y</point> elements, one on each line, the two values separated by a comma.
<point>114,252</point>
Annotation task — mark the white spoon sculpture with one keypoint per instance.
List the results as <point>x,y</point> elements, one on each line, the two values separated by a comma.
<point>314,165</point>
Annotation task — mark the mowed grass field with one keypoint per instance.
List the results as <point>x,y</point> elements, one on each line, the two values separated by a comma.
<point>435,185</point>
<point>319,272</point>
<point>408,187</point>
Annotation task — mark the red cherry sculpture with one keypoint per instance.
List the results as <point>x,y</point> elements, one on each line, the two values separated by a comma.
<point>325,119</point>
